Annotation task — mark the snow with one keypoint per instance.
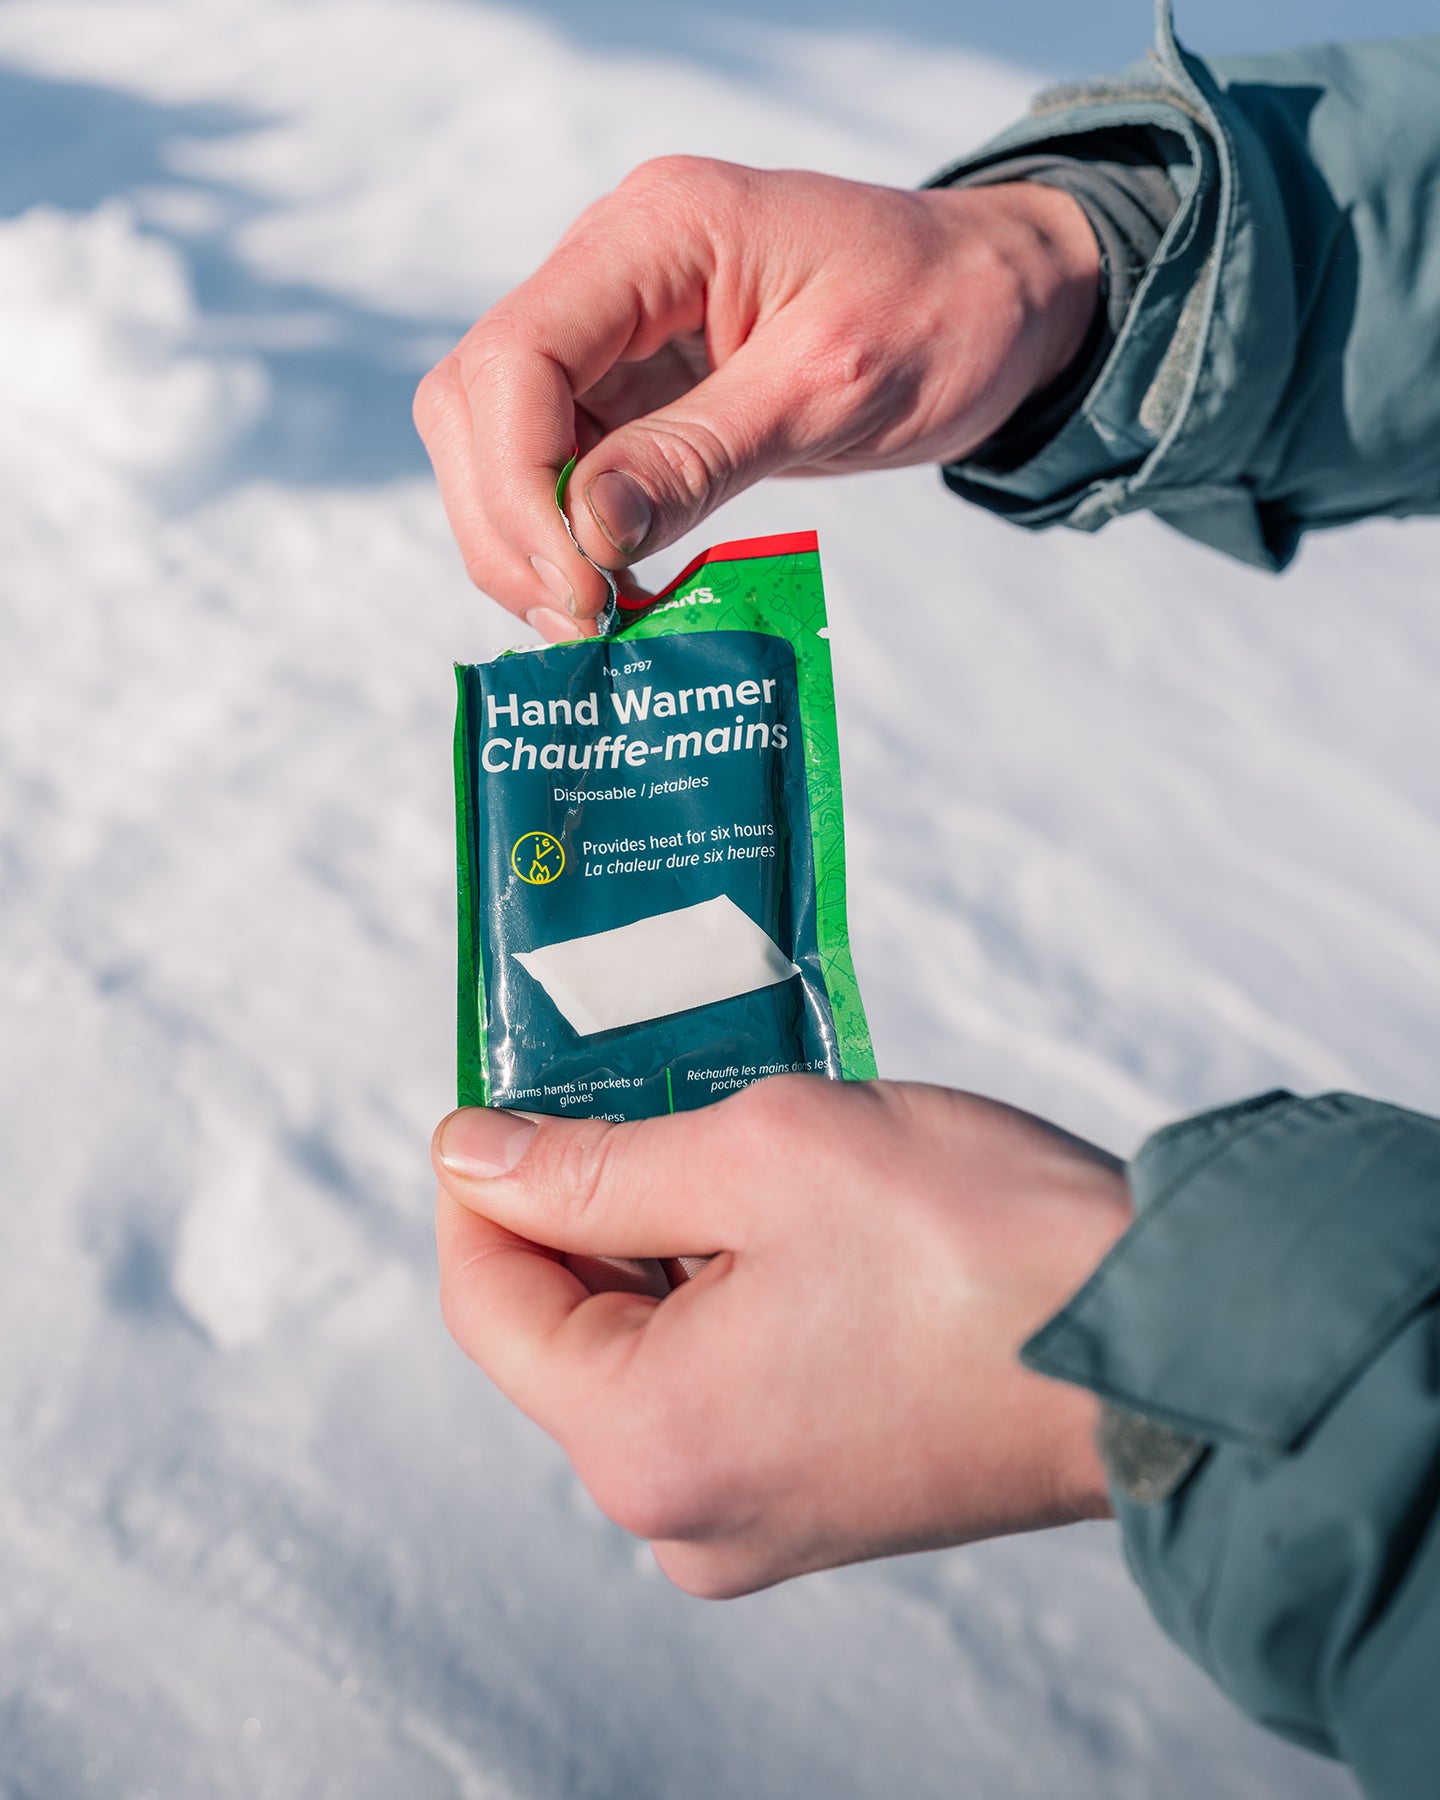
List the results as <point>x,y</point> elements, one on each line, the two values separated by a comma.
<point>1132,831</point>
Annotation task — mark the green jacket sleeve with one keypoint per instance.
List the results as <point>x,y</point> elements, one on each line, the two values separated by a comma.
<point>1267,1339</point>
<point>1278,370</point>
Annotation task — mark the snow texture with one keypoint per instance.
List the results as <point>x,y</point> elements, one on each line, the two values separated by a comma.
<point>1132,831</point>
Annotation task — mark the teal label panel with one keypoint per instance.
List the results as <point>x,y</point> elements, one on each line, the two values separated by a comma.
<point>615,781</point>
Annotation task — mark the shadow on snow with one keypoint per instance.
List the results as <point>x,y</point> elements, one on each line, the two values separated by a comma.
<point>341,374</point>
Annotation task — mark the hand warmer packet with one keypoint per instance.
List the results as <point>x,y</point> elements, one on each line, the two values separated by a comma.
<point>651,851</point>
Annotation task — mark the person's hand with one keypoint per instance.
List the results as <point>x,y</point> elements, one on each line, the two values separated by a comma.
<point>841,1380</point>
<point>706,325</point>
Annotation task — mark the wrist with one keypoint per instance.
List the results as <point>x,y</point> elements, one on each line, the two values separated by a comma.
<point>1059,268</point>
<point>1044,286</point>
<point>1067,1417</point>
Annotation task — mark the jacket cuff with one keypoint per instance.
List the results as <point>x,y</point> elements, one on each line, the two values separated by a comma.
<point>1169,420</point>
<point>1266,1339</point>
<point>1261,1272</point>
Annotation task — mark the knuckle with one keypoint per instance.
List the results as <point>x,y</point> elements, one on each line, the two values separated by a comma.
<point>479,569</point>
<point>790,1114</point>
<point>776,1106</point>
<point>485,569</point>
<point>657,1472</point>
<point>658,1497</point>
<point>699,190</point>
<point>702,1574</point>
<point>434,397</point>
<point>630,1501</point>
<point>449,1314</point>
<point>578,1168</point>
<point>723,1570</point>
<point>452,1313</point>
<point>654,172</point>
<point>678,170</point>
<point>694,459</point>
<point>486,350</point>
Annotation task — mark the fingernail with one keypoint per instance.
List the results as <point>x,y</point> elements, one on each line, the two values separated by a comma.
<point>556,628</point>
<point>556,584</point>
<point>483,1142</point>
<point>621,508</point>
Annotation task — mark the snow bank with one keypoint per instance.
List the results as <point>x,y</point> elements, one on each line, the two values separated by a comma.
<point>92,358</point>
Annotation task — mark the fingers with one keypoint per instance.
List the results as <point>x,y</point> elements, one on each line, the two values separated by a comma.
<point>499,414</point>
<point>707,325</point>
<point>618,330</point>
<point>632,389</point>
<point>661,1188</point>
<point>804,384</point>
<point>535,1328</point>
<point>535,573</point>
<point>652,480</point>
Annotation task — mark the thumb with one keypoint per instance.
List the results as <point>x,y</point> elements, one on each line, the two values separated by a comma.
<point>646,1188</point>
<point>650,481</point>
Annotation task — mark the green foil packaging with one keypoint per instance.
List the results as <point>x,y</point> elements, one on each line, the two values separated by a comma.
<point>651,852</point>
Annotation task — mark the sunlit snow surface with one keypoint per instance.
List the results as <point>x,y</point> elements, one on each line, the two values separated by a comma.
<point>1132,831</point>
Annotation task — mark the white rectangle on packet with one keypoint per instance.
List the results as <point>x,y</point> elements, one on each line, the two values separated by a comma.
<point>667,963</point>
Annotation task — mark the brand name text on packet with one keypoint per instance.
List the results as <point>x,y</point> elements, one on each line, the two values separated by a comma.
<point>632,706</point>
